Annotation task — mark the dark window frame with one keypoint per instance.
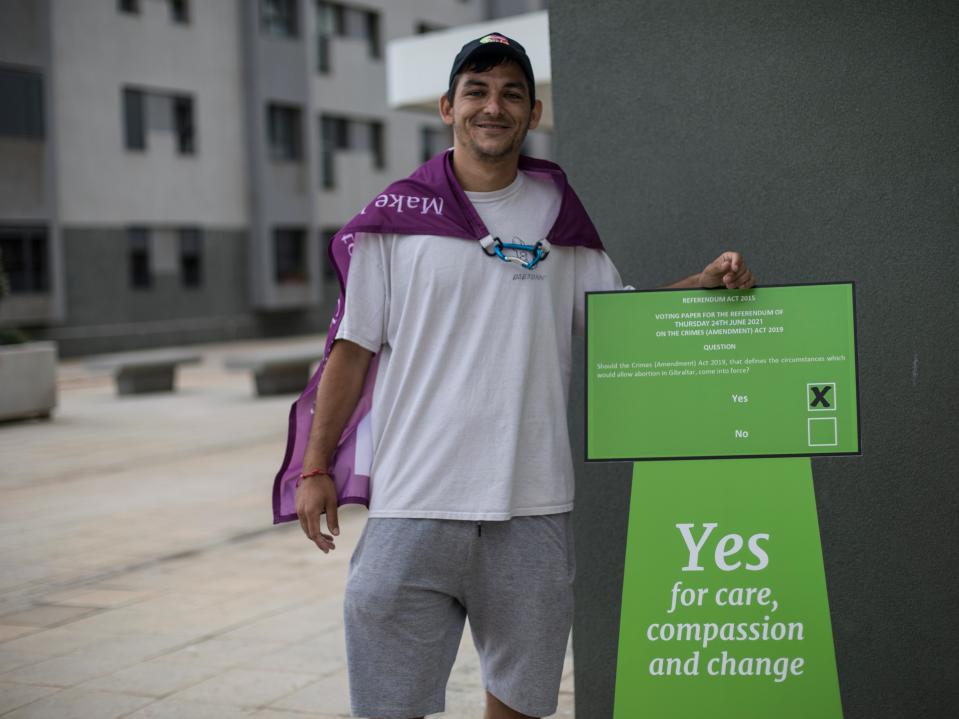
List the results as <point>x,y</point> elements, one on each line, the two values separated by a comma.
<point>26,261</point>
<point>184,123</point>
<point>378,144</point>
<point>22,103</point>
<point>327,270</point>
<point>428,133</point>
<point>133,108</point>
<point>335,134</point>
<point>280,18</point>
<point>180,11</point>
<point>290,256</point>
<point>424,27</point>
<point>135,118</point>
<point>139,261</point>
<point>284,127</point>
<point>190,242</point>
<point>332,22</point>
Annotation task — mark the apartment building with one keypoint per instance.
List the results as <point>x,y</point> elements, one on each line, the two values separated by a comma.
<point>170,170</point>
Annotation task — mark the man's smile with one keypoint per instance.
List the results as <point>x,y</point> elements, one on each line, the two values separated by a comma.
<point>492,125</point>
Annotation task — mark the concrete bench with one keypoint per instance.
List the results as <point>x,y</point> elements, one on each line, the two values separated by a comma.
<point>147,371</point>
<point>277,371</point>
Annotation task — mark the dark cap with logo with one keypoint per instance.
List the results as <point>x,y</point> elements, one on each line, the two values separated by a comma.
<point>493,45</point>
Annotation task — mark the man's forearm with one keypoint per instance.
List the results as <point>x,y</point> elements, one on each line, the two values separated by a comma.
<point>336,398</point>
<point>693,281</point>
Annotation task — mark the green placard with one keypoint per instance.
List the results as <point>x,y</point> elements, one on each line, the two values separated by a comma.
<point>721,373</point>
<point>724,609</point>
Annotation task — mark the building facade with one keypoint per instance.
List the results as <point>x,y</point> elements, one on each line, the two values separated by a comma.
<point>170,170</point>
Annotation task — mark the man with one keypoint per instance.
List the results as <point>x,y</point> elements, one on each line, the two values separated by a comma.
<point>471,472</point>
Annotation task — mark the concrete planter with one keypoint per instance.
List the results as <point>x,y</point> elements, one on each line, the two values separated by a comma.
<point>28,380</point>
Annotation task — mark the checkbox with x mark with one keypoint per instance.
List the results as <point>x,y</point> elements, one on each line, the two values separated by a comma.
<point>821,396</point>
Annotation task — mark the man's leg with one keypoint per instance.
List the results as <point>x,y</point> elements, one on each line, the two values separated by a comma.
<point>495,709</point>
<point>403,618</point>
<point>519,601</point>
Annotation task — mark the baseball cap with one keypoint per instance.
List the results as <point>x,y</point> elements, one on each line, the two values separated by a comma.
<point>491,45</point>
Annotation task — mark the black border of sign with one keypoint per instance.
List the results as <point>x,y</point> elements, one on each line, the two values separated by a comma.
<point>855,345</point>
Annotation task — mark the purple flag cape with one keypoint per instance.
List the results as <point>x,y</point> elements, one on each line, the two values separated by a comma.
<point>428,202</point>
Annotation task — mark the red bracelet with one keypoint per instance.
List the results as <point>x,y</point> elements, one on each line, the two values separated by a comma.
<point>313,473</point>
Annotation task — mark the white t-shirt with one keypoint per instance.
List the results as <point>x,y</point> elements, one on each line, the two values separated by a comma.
<point>469,407</point>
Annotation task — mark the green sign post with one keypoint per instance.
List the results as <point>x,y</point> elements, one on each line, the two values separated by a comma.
<point>725,612</point>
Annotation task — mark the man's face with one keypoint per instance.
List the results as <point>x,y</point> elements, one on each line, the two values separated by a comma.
<point>491,113</point>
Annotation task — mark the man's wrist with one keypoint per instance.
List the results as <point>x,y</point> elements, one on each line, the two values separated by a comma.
<point>310,474</point>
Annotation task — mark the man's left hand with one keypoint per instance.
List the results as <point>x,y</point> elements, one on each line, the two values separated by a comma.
<point>729,270</point>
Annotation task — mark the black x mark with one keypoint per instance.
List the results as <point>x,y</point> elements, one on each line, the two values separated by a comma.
<point>820,397</point>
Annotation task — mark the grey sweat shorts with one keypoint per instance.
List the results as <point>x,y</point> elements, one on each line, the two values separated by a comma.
<point>413,582</point>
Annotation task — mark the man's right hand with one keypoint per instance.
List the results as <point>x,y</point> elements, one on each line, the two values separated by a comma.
<point>336,397</point>
<point>314,496</point>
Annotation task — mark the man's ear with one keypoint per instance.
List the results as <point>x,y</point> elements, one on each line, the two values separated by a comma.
<point>446,109</point>
<point>536,114</point>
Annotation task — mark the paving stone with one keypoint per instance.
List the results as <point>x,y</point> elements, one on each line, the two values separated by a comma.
<point>79,704</point>
<point>100,598</point>
<point>53,642</point>
<point>178,709</point>
<point>280,714</point>
<point>64,671</point>
<point>245,687</point>
<point>315,656</point>
<point>8,632</point>
<point>131,649</point>
<point>44,616</point>
<point>154,678</point>
<point>10,660</point>
<point>221,652</point>
<point>17,695</point>
<point>162,575</point>
<point>329,695</point>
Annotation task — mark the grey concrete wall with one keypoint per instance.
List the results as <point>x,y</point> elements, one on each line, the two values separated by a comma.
<point>23,180</point>
<point>22,33</point>
<point>276,71</point>
<point>99,292</point>
<point>104,314</point>
<point>96,52</point>
<point>820,138</point>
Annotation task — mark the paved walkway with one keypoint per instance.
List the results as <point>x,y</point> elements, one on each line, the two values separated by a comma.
<point>140,575</point>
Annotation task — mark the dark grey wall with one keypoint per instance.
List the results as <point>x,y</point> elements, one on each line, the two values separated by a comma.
<point>105,314</point>
<point>821,139</point>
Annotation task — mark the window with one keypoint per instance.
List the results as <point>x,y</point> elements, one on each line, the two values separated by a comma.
<point>129,6</point>
<point>24,257</point>
<point>327,270</point>
<point>147,111</point>
<point>336,20</point>
<point>346,134</point>
<point>180,11</point>
<point>138,256</point>
<point>279,17</point>
<point>191,256</point>
<point>289,256</point>
<point>434,140</point>
<point>134,119</point>
<point>21,103</point>
<point>183,124</point>
<point>376,145</point>
<point>424,28</point>
<point>284,126</point>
